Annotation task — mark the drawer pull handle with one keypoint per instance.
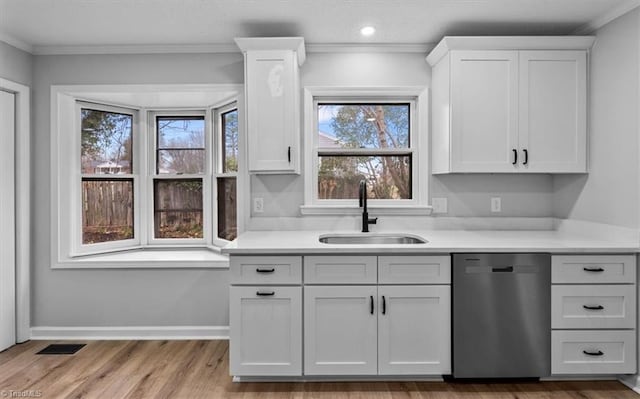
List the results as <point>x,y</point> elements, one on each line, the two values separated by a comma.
<point>259,270</point>
<point>265,293</point>
<point>598,353</point>
<point>596,307</point>
<point>371,310</point>
<point>593,269</point>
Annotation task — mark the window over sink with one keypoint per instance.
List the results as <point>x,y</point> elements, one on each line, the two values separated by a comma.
<point>374,134</point>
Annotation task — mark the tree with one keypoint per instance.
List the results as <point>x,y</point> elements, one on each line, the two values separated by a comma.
<point>182,144</point>
<point>105,136</point>
<point>230,137</point>
<point>371,126</point>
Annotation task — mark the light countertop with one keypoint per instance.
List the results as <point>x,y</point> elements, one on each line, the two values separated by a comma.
<point>439,241</point>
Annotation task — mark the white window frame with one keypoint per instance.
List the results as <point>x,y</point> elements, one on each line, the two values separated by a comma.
<point>76,200</point>
<point>216,115</point>
<point>67,250</point>
<point>152,176</point>
<point>417,98</point>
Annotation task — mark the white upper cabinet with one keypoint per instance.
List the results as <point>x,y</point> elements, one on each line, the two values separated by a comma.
<point>272,90</point>
<point>553,111</point>
<point>509,104</point>
<point>485,107</point>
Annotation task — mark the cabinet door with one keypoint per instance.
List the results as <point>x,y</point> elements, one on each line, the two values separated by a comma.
<point>266,331</point>
<point>271,80</point>
<point>484,111</point>
<point>414,329</point>
<point>553,109</point>
<point>340,330</point>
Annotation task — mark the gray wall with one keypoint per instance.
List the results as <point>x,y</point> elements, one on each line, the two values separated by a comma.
<point>609,194</point>
<point>199,297</point>
<point>182,297</point>
<point>468,195</point>
<point>15,64</point>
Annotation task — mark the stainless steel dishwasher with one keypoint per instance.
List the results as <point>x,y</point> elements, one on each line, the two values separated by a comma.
<point>501,315</point>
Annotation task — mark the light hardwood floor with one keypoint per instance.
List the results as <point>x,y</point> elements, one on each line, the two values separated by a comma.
<point>200,369</point>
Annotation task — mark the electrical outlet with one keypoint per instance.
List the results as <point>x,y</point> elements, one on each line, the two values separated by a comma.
<point>258,205</point>
<point>496,204</point>
<point>439,205</point>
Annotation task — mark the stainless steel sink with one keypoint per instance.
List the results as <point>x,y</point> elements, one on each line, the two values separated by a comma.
<point>371,239</point>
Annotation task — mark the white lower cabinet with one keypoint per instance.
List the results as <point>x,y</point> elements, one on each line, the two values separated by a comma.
<point>414,329</point>
<point>266,331</point>
<point>386,330</point>
<point>340,330</point>
<point>593,314</point>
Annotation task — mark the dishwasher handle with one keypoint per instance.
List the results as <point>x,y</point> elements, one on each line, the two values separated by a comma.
<point>507,269</point>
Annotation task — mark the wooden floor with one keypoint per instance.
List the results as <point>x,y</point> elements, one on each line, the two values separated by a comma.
<point>200,369</point>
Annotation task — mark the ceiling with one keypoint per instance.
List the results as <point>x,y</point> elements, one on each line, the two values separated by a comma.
<point>42,24</point>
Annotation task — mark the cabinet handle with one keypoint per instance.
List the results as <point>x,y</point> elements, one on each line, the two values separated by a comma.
<point>384,305</point>
<point>595,307</point>
<point>515,157</point>
<point>261,270</point>
<point>593,269</point>
<point>598,353</point>
<point>265,293</point>
<point>371,311</point>
<point>526,156</point>
<point>289,153</point>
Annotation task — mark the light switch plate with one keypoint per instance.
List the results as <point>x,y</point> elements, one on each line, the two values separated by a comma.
<point>496,204</point>
<point>439,205</point>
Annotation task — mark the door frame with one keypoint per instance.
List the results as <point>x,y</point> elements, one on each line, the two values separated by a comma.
<point>23,205</point>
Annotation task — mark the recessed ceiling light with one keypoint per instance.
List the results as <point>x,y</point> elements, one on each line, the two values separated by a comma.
<point>367,31</point>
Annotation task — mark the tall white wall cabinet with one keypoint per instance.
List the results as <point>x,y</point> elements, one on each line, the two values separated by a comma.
<point>510,104</point>
<point>272,89</point>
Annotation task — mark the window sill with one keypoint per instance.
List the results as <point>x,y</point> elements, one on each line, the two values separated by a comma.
<point>150,258</point>
<point>342,210</point>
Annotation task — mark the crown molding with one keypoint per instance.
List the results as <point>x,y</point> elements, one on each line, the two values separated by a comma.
<point>370,47</point>
<point>607,17</point>
<point>449,43</point>
<point>295,44</point>
<point>17,43</point>
<point>422,48</point>
<point>135,49</point>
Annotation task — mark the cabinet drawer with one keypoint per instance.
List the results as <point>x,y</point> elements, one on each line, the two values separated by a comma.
<point>414,269</point>
<point>266,269</point>
<point>593,306</point>
<point>604,269</point>
<point>593,352</point>
<point>340,269</point>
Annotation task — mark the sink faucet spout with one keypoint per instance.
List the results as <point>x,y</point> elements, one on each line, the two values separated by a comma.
<point>362,200</point>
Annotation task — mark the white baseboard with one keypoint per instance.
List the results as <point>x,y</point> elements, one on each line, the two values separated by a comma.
<point>631,381</point>
<point>130,333</point>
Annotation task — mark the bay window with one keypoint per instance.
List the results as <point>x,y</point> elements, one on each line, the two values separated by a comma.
<point>138,177</point>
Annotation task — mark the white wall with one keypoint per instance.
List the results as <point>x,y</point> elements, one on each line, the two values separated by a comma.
<point>178,297</point>
<point>609,194</point>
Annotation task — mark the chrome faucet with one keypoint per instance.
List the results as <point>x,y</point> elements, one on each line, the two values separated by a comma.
<point>362,194</point>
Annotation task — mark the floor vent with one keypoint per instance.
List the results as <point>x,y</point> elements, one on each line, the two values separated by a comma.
<point>61,349</point>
